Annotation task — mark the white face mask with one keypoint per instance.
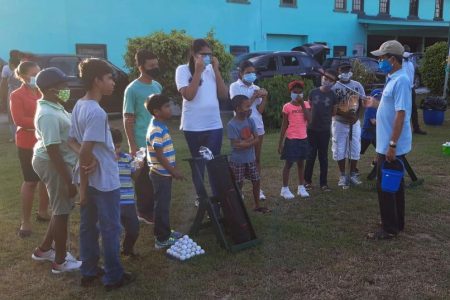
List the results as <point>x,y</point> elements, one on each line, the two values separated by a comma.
<point>32,82</point>
<point>294,96</point>
<point>346,76</point>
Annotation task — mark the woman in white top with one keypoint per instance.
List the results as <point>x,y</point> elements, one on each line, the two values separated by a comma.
<point>244,86</point>
<point>201,85</point>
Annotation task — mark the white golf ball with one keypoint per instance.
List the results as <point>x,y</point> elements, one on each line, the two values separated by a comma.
<point>202,251</point>
<point>184,247</point>
<point>198,248</point>
<point>190,240</point>
<point>185,236</point>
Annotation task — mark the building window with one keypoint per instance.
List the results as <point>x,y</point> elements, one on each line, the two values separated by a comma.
<point>413,9</point>
<point>94,50</point>
<point>239,1</point>
<point>384,7</point>
<point>239,50</point>
<point>340,4</point>
<point>288,3</point>
<point>358,6</point>
<point>339,51</point>
<point>439,8</point>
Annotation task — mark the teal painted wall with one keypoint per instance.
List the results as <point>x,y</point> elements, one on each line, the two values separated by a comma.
<point>262,24</point>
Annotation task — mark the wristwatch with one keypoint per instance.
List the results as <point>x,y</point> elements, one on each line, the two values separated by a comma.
<point>392,144</point>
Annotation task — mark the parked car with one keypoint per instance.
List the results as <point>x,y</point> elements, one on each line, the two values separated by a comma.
<point>69,65</point>
<point>286,63</point>
<point>370,63</point>
<point>238,59</point>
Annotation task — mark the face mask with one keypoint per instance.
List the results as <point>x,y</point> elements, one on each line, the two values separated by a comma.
<point>294,96</point>
<point>207,60</point>
<point>153,73</point>
<point>32,82</point>
<point>63,95</point>
<point>385,66</point>
<point>346,76</point>
<point>249,77</point>
<point>326,83</point>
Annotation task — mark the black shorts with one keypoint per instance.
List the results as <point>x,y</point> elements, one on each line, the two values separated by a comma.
<point>295,150</point>
<point>25,157</point>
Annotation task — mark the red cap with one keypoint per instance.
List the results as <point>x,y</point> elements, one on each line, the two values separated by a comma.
<point>295,83</point>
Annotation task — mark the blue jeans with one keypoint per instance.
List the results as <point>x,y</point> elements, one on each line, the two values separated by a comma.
<point>211,139</point>
<point>162,194</point>
<point>130,223</point>
<point>104,208</point>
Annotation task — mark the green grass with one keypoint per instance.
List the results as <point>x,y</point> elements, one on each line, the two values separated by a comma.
<point>313,248</point>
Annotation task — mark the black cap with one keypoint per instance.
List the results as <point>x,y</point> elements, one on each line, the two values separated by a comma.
<point>50,77</point>
<point>345,65</point>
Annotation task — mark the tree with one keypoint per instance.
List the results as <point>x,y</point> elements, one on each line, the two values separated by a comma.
<point>172,50</point>
<point>433,67</point>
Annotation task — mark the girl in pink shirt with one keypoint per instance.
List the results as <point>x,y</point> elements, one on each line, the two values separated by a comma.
<point>293,145</point>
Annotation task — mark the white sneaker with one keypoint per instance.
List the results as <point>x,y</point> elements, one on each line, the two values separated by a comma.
<point>40,255</point>
<point>67,266</point>
<point>342,181</point>
<point>354,179</point>
<point>286,193</point>
<point>49,255</point>
<point>302,191</point>
<point>261,195</point>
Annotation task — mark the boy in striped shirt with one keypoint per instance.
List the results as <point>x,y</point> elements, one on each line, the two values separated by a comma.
<point>161,160</point>
<point>127,173</point>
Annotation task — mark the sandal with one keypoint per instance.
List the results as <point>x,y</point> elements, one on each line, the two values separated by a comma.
<point>262,209</point>
<point>40,218</point>
<point>24,233</point>
<point>308,186</point>
<point>325,188</point>
<point>381,235</point>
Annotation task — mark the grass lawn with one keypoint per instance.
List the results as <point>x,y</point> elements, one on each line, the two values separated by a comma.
<point>313,248</point>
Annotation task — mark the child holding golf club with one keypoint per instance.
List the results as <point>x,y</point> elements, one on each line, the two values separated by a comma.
<point>293,145</point>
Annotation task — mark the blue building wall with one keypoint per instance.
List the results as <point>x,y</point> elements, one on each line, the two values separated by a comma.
<point>58,25</point>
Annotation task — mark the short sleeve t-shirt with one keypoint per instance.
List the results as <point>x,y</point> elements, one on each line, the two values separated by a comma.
<point>368,129</point>
<point>348,100</point>
<point>242,130</point>
<point>322,104</point>
<point>52,125</point>
<point>90,124</point>
<point>135,97</point>
<point>396,97</point>
<point>202,112</point>
<point>158,136</point>
<point>126,183</point>
<point>240,88</point>
<point>297,122</point>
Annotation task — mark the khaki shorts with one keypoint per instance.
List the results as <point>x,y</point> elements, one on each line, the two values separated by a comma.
<point>57,189</point>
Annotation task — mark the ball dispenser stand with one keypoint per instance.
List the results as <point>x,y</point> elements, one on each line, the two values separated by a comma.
<point>234,231</point>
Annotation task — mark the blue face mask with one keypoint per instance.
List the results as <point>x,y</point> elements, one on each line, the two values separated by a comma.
<point>206,60</point>
<point>294,96</point>
<point>385,66</point>
<point>249,77</point>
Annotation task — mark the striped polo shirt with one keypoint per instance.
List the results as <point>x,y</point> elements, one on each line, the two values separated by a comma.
<point>158,137</point>
<point>126,183</point>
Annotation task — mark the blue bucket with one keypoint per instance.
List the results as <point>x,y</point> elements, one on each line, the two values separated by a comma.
<point>391,178</point>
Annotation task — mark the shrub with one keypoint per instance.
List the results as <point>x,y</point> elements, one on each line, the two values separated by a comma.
<point>278,96</point>
<point>362,74</point>
<point>433,67</point>
<point>172,50</point>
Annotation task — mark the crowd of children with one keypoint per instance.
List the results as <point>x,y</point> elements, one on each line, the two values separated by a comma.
<point>109,180</point>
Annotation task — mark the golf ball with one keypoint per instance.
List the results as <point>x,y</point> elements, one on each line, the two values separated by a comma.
<point>182,257</point>
<point>185,236</point>
<point>198,248</point>
<point>184,247</point>
<point>202,251</point>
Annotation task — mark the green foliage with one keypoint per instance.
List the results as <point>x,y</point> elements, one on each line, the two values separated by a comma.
<point>172,50</point>
<point>361,74</point>
<point>433,67</point>
<point>278,96</point>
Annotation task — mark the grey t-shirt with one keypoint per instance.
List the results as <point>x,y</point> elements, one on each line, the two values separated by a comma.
<point>90,124</point>
<point>322,104</point>
<point>348,101</point>
<point>242,130</point>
